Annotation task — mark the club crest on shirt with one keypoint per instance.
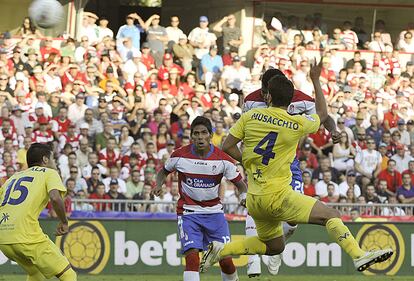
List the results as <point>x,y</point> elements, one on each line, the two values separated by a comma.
<point>213,168</point>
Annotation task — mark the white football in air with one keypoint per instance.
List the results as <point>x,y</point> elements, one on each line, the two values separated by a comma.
<point>46,13</point>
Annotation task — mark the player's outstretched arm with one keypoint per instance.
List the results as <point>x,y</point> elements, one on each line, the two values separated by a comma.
<point>59,207</point>
<point>320,101</point>
<point>330,125</point>
<point>230,147</point>
<point>161,176</point>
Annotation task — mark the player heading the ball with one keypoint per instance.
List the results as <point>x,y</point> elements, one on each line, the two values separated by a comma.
<point>269,149</point>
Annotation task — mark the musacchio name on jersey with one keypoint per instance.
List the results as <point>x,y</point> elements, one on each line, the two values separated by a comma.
<point>199,179</point>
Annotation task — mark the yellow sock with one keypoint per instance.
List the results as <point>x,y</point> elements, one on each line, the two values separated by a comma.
<point>341,234</point>
<point>248,246</point>
<point>68,275</point>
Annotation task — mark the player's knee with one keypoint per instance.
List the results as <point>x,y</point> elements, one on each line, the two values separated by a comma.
<point>331,213</point>
<point>227,265</point>
<point>275,249</point>
<point>192,261</point>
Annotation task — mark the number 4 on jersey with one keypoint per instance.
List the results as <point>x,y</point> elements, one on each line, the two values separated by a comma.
<point>267,152</point>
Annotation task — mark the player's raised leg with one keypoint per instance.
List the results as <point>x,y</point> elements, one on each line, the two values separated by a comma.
<point>254,262</point>
<point>329,217</point>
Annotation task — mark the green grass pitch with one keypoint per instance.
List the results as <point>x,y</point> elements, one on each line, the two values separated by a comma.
<point>218,278</point>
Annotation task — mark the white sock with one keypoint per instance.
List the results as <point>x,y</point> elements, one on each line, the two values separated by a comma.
<point>288,230</point>
<point>191,276</point>
<point>230,277</point>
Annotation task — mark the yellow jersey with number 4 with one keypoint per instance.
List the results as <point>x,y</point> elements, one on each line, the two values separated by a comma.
<point>270,137</point>
<point>22,197</point>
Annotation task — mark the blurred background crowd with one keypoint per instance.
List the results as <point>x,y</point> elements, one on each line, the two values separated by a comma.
<point>116,103</point>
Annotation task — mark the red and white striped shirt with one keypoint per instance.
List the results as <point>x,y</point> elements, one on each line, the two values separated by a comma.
<point>350,38</point>
<point>199,178</point>
<point>42,137</point>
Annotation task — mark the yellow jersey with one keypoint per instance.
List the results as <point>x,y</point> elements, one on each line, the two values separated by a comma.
<point>270,138</point>
<point>22,197</point>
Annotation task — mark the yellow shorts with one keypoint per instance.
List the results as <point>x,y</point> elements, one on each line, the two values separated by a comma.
<point>44,257</point>
<point>268,211</point>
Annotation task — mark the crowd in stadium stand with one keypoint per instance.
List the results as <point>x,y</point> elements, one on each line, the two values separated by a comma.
<point>115,106</point>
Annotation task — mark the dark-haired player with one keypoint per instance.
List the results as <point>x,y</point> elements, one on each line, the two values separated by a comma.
<point>270,137</point>
<point>22,198</point>
<point>200,167</point>
<point>301,104</point>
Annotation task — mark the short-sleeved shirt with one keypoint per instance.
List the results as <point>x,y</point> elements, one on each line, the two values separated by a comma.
<point>230,33</point>
<point>22,198</point>
<point>155,44</point>
<point>407,193</point>
<point>270,137</point>
<point>199,178</point>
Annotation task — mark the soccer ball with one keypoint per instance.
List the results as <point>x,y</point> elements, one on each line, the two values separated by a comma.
<point>46,13</point>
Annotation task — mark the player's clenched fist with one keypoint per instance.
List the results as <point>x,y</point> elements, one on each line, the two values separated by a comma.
<point>62,229</point>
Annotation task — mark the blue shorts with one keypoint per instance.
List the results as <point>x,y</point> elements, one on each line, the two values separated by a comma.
<point>196,231</point>
<point>297,181</point>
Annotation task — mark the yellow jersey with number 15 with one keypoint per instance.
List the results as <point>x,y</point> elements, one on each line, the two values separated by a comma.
<point>22,197</point>
<point>270,137</point>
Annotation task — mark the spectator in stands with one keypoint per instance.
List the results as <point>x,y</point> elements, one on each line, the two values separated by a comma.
<point>402,159</point>
<point>234,76</point>
<point>355,215</point>
<point>321,187</point>
<point>114,194</point>
<point>392,176</point>
<point>336,42</point>
<point>232,36</point>
<point>156,37</point>
<point>308,187</point>
<point>405,193</point>
<point>350,38</point>
<point>393,211</point>
<point>115,175</point>
<point>406,44</point>
<point>184,51</point>
<point>349,183</point>
<point>131,30</point>
<point>343,154</point>
<point>146,195</point>
<point>375,131</point>
<point>173,31</point>
<point>94,180</point>
<point>321,142</point>
<point>134,185</point>
<point>405,135</point>
<point>368,163</point>
<point>331,196</point>
<point>100,194</point>
<point>410,170</point>
<point>201,39</point>
<point>103,30</point>
<point>377,45</point>
<point>370,195</point>
<point>211,66</point>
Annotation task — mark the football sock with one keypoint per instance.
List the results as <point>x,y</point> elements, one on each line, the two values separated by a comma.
<point>68,275</point>
<point>227,266</point>
<point>248,246</point>
<point>288,230</point>
<point>341,234</point>
<point>229,277</point>
<point>191,276</point>
<point>36,277</point>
